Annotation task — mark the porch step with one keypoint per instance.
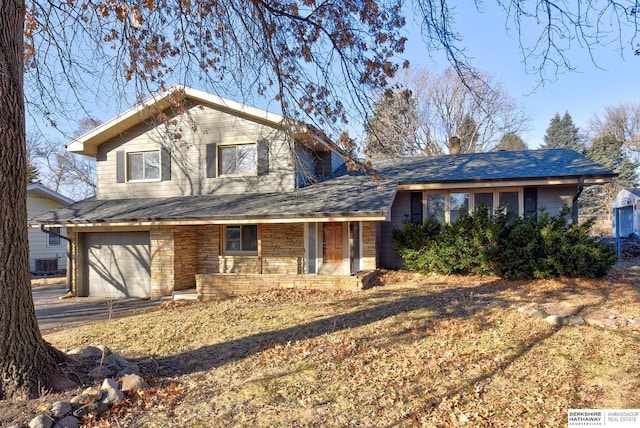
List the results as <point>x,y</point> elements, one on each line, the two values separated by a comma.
<point>188,294</point>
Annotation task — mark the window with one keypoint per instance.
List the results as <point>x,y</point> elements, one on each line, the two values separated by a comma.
<point>241,238</point>
<point>458,206</point>
<point>53,239</point>
<point>143,166</point>
<point>416,207</point>
<point>238,159</point>
<point>509,202</point>
<point>485,199</point>
<point>435,207</point>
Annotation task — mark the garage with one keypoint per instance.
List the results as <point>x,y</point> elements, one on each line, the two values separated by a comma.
<point>118,264</point>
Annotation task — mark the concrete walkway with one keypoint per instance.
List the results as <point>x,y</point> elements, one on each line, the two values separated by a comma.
<point>54,313</point>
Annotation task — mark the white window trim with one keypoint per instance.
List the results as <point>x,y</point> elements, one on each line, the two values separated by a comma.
<point>59,244</point>
<point>240,252</point>
<point>144,180</point>
<point>471,191</point>
<point>236,144</point>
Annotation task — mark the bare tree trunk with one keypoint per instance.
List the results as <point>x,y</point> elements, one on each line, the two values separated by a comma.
<point>28,365</point>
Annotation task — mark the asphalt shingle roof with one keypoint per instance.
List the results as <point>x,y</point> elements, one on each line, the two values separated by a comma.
<point>355,196</point>
<point>346,195</point>
<point>500,165</point>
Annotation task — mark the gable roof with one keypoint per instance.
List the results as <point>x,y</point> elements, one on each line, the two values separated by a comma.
<point>87,144</point>
<point>493,166</point>
<point>40,191</point>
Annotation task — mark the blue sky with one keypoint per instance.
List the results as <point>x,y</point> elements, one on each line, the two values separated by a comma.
<point>493,49</point>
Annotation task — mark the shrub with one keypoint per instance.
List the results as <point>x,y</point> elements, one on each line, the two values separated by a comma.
<point>514,248</point>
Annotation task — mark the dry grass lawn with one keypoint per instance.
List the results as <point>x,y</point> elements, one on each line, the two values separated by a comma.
<point>419,351</point>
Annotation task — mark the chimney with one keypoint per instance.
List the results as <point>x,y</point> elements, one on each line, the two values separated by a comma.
<point>454,146</point>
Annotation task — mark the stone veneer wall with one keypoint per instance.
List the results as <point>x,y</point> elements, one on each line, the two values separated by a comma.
<point>368,261</point>
<point>282,248</point>
<point>185,249</point>
<point>237,263</point>
<point>162,265</point>
<point>174,259</point>
<point>209,248</point>
<point>222,286</point>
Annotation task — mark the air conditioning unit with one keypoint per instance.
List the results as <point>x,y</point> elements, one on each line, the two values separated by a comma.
<point>46,266</point>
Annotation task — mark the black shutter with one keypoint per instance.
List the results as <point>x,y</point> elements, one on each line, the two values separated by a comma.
<point>416,207</point>
<point>120,166</point>
<point>211,160</point>
<point>262,150</point>
<point>165,164</point>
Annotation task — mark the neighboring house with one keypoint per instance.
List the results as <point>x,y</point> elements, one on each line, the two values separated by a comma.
<point>224,197</point>
<point>626,212</point>
<point>47,253</point>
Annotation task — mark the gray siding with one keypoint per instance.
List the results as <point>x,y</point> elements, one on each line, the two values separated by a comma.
<point>39,247</point>
<point>400,211</point>
<point>188,157</point>
<point>305,168</point>
<point>553,199</point>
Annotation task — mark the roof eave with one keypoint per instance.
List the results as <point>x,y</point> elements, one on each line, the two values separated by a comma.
<point>381,215</point>
<point>531,181</point>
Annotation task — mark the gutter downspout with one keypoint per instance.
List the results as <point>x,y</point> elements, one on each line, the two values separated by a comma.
<point>69,258</point>
<point>574,208</point>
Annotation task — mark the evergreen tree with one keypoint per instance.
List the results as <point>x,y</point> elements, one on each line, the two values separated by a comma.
<point>511,142</point>
<point>562,133</point>
<point>33,175</point>
<point>609,152</point>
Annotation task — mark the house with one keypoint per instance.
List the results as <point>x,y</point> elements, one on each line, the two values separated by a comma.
<point>626,214</point>
<point>47,252</point>
<point>227,198</point>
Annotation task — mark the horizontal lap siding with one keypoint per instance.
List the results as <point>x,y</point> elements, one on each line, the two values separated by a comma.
<point>553,199</point>
<point>400,211</point>
<point>188,157</point>
<point>39,247</point>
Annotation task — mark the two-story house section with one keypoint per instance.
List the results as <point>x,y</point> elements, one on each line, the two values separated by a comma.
<point>197,191</point>
<point>193,188</point>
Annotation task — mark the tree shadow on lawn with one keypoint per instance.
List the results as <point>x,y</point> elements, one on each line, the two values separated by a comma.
<point>451,303</point>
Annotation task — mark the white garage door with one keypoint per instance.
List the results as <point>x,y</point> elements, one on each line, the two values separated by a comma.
<point>118,264</point>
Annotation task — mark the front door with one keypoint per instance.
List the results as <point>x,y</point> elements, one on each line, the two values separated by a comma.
<point>332,244</point>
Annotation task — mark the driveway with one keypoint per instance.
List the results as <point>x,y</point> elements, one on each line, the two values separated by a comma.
<point>54,313</point>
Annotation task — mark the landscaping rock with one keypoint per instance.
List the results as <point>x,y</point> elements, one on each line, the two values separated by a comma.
<point>575,320</point>
<point>95,409</point>
<point>102,371</point>
<point>539,314</point>
<point>94,352</point>
<point>60,409</point>
<point>41,421</point>
<point>132,381</point>
<point>67,422</point>
<point>112,396</point>
<point>89,394</point>
<point>109,383</point>
<point>555,320</point>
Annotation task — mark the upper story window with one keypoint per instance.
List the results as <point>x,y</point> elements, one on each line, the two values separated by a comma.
<point>53,239</point>
<point>143,166</point>
<point>238,159</point>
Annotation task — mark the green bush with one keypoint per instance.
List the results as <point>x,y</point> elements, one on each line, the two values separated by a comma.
<point>514,248</point>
